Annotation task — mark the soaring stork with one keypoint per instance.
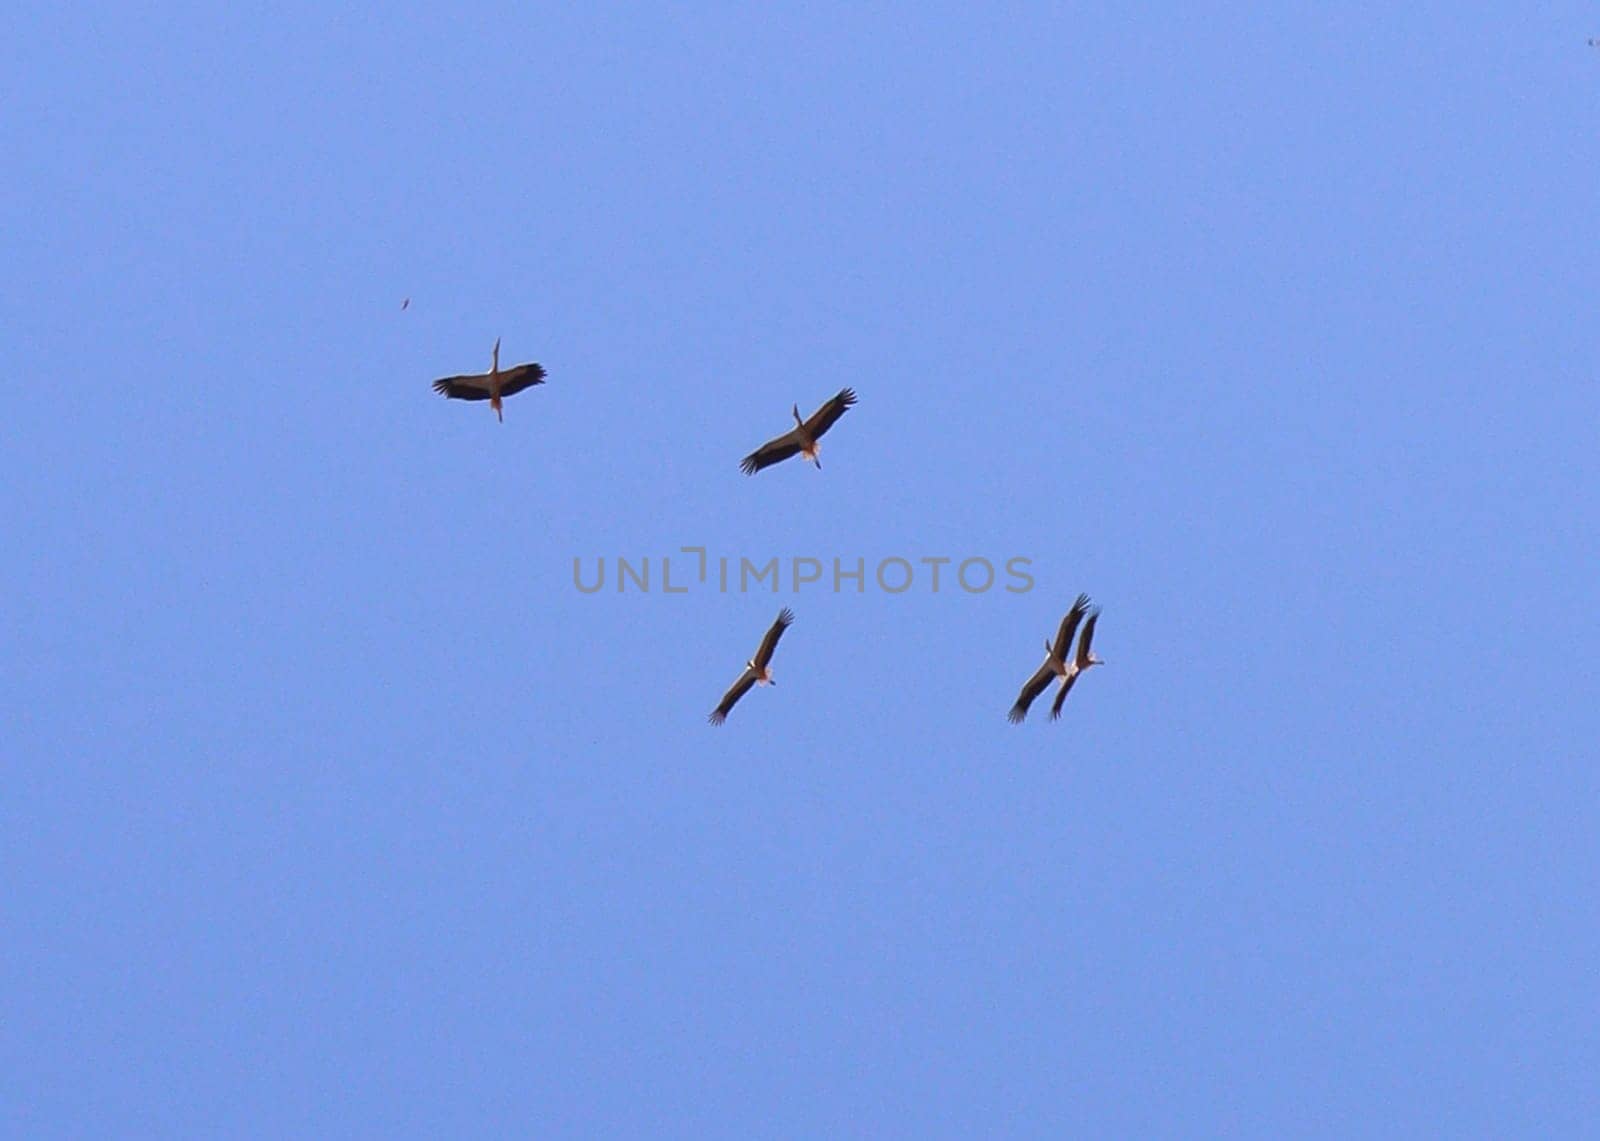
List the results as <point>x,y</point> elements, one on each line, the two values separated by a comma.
<point>491,385</point>
<point>1086,658</point>
<point>1056,664</point>
<point>756,670</point>
<point>802,439</point>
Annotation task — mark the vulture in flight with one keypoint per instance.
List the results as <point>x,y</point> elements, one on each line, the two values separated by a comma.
<point>802,439</point>
<point>756,670</point>
<point>491,385</point>
<point>1056,663</point>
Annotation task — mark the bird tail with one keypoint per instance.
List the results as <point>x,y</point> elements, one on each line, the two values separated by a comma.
<point>495,404</point>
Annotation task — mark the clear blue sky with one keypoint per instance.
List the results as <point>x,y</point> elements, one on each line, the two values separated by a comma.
<point>329,807</point>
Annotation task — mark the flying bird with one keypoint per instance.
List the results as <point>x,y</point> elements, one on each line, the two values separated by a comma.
<point>802,439</point>
<point>406,304</point>
<point>1056,664</point>
<point>491,385</point>
<point>756,670</point>
<point>1086,658</point>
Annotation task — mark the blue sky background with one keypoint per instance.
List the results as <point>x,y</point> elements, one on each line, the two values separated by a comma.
<point>330,807</point>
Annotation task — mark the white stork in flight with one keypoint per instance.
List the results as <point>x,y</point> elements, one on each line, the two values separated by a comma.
<point>802,439</point>
<point>491,385</point>
<point>1056,664</point>
<point>756,670</point>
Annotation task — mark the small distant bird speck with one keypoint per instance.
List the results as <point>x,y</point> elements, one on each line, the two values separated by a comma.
<point>406,304</point>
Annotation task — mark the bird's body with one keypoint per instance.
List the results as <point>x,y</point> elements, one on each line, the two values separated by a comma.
<point>1057,664</point>
<point>802,439</point>
<point>757,671</point>
<point>491,385</point>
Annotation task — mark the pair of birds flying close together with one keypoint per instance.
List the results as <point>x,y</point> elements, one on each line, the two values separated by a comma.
<point>801,440</point>
<point>1057,663</point>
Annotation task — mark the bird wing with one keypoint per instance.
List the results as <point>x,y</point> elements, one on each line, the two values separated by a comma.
<point>770,642</point>
<point>474,387</point>
<point>823,418</point>
<point>731,698</point>
<point>1088,635</point>
<point>1063,643</point>
<point>514,380</point>
<point>1061,695</point>
<point>1031,689</point>
<point>771,452</point>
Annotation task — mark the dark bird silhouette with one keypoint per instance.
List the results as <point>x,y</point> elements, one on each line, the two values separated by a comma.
<point>802,439</point>
<point>1082,662</point>
<point>491,385</point>
<point>756,671</point>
